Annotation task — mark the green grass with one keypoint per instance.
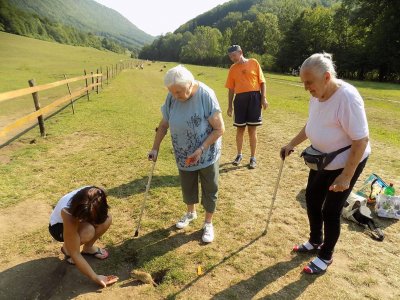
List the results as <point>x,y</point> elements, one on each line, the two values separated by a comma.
<point>382,104</point>
<point>23,58</point>
<point>368,89</point>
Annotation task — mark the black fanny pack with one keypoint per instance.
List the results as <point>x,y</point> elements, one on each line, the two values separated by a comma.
<point>317,160</point>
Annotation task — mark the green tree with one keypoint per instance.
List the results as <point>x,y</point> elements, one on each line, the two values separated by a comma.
<point>264,34</point>
<point>241,37</point>
<point>310,33</point>
<point>230,20</point>
<point>381,21</point>
<point>204,47</point>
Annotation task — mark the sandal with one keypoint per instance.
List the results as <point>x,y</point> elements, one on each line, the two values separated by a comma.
<point>307,247</point>
<point>99,254</point>
<point>317,266</point>
<point>68,258</point>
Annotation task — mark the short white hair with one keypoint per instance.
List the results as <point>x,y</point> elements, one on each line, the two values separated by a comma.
<point>320,63</point>
<point>178,75</point>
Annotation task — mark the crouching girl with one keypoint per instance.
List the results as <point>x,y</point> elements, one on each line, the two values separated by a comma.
<point>81,218</point>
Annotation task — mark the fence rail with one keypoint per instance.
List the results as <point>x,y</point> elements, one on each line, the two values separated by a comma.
<point>43,87</point>
<point>92,81</point>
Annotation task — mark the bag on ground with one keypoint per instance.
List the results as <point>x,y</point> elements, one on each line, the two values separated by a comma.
<point>388,206</point>
<point>371,188</point>
<point>356,210</point>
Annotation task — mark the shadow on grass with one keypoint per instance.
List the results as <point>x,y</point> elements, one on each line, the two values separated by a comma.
<point>138,186</point>
<point>301,197</point>
<point>247,289</point>
<point>223,169</point>
<point>137,251</point>
<point>50,277</point>
<point>40,279</point>
<point>294,289</point>
<point>226,258</point>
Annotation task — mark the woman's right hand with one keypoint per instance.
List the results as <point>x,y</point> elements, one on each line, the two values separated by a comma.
<point>152,155</point>
<point>285,151</point>
<point>106,280</point>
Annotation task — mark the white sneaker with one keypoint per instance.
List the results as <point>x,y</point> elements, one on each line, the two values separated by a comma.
<point>186,219</point>
<point>208,234</point>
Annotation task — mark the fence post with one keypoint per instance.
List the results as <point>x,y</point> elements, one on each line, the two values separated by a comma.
<point>97,81</point>
<point>91,73</point>
<point>69,91</point>
<point>87,90</point>
<point>107,75</point>
<point>116,69</point>
<point>101,78</point>
<point>37,107</point>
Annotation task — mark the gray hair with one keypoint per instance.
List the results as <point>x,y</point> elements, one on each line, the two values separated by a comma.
<point>320,63</point>
<point>178,75</point>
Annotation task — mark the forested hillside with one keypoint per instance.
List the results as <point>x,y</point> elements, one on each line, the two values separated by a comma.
<point>13,20</point>
<point>228,14</point>
<point>362,35</point>
<point>87,16</point>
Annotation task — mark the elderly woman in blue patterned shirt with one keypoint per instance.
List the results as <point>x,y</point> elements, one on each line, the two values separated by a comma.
<point>192,112</point>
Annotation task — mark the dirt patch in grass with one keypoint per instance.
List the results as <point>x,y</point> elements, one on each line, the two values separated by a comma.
<point>17,220</point>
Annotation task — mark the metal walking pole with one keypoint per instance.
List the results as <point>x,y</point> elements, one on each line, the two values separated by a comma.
<point>145,197</point>
<point>275,192</point>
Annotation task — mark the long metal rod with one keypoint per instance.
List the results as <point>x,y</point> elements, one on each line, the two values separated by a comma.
<point>274,195</point>
<point>145,198</point>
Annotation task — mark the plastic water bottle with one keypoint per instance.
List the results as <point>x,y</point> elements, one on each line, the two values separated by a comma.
<point>389,190</point>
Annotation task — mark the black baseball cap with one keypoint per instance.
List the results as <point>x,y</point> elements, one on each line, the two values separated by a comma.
<point>234,48</point>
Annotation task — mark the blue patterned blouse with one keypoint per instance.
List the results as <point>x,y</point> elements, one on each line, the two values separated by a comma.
<point>189,126</point>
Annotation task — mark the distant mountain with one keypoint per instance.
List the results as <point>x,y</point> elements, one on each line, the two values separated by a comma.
<point>88,16</point>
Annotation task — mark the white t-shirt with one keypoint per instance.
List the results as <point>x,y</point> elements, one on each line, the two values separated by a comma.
<point>64,202</point>
<point>336,122</point>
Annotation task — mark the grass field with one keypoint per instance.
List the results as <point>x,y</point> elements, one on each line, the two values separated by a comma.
<point>22,59</point>
<point>106,142</point>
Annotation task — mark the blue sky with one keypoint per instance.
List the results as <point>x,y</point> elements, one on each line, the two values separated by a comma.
<point>162,16</point>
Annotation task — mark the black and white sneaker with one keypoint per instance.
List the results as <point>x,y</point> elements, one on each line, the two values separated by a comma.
<point>237,160</point>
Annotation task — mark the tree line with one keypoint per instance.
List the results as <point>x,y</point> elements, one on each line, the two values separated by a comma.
<point>15,21</point>
<point>363,36</point>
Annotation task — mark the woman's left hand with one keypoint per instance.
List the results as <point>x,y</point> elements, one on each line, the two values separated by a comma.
<point>340,184</point>
<point>194,157</point>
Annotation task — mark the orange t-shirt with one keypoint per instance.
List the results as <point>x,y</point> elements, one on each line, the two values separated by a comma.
<point>245,77</point>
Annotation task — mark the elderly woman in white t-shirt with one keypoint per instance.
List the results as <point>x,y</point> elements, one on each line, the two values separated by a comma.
<point>192,113</point>
<point>336,119</point>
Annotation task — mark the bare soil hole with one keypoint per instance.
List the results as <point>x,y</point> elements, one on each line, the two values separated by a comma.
<point>158,277</point>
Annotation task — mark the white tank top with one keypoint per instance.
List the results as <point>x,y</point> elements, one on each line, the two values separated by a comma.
<point>64,202</point>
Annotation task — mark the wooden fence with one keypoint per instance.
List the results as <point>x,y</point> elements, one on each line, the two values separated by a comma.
<point>95,80</point>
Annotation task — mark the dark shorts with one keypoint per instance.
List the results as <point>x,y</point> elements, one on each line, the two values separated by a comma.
<point>247,109</point>
<point>57,231</point>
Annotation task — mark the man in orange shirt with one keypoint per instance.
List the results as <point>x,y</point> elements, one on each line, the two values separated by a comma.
<point>246,83</point>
